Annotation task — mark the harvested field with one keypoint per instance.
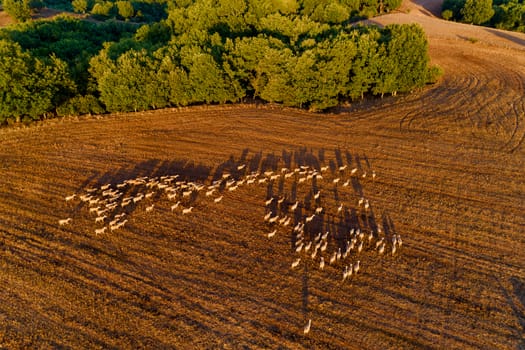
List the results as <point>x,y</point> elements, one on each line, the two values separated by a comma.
<point>449,162</point>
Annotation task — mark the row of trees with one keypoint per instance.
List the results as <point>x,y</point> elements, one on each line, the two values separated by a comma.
<point>502,14</point>
<point>204,52</point>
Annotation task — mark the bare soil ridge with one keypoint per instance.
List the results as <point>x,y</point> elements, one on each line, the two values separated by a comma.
<point>449,163</point>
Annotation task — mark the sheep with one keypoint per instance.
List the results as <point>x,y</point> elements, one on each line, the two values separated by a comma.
<point>306,328</point>
<point>295,263</point>
<point>367,204</point>
<point>325,235</point>
<point>187,193</point>
<point>346,183</point>
<point>100,231</point>
<point>268,173</point>
<point>274,177</point>
<point>150,208</point>
<point>174,206</point>
<point>343,168</point>
<point>294,207</point>
<point>149,194</point>
<point>324,246</point>
<point>138,198</point>
<point>64,221</point>
<point>100,212</point>
<point>283,220</point>
<point>269,201</point>
<point>336,180</point>
<point>314,253</point>
<point>338,256</point>
<point>271,234</point>
<point>187,210</point>
<point>273,219</point>
<point>378,243</point>
<point>288,175</point>
<point>333,258</point>
<point>393,249</point>
<point>399,241</point>
<point>318,210</point>
<point>321,263</point>
<point>373,175</point>
<point>94,209</point>
<point>263,180</point>
<point>85,198</point>
<point>93,201</point>
<point>287,222</point>
<point>360,247</point>
<point>308,246</point>
<point>299,247</point>
<point>310,218</point>
<point>354,170</point>
<point>172,196</point>
<point>240,167</point>
<point>301,180</point>
<point>100,218</point>
<point>268,216</point>
<point>324,168</point>
<point>299,227</point>
<point>210,192</point>
<point>232,188</point>
<point>125,203</point>
<point>317,195</point>
<point>364,175</point>
<point>340,208</point>
<point>68,198</point>
<point>381,249</point>
<point>105,187</point>
<point>357,266</point>
<point>346,272</point>
<point>218,199</point>
<point>122,223</point>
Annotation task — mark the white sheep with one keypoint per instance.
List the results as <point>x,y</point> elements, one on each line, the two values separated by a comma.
<point>218,199</point>
<point>100,231</point>
<point>187,210</point>
<point>68,198</point>
<point>64,221</point>
<point>271,234</point>
<point>295,263</point>
<point>306,329</point>
<point>100,218</point>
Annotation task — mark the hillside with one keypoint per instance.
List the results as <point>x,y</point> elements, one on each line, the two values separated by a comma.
<point>449,166</point>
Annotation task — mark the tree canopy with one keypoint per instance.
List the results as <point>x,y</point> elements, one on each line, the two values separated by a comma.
<point>299,53</point>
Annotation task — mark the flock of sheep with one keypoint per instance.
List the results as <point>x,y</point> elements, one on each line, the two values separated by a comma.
<point>318,231</point>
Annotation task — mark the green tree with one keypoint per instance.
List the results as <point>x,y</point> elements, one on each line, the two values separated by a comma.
<point>80,6</point>
<point>477,11</point>
<point>30,87</point>
<point>125,9</point>
<point>20,10</point>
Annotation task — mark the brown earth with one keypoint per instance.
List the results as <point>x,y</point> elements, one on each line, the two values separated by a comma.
<point>449,162</point>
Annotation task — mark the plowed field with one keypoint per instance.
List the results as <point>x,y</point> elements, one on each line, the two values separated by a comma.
<point>449,181</point>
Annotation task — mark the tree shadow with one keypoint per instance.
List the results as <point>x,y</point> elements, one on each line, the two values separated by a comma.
<point>516,38</point>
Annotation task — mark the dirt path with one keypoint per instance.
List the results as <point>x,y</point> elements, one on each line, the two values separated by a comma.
<point>449,180</point>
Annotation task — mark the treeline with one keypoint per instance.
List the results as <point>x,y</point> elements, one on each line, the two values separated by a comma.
<point>501,14</point>
<point>204,52</point>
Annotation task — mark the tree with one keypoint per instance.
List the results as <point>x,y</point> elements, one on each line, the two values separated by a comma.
<point>80,6</point>
<point>477,11</point>
<point>125,9</point>
<point>30,87</point>
<point>20,10</point>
